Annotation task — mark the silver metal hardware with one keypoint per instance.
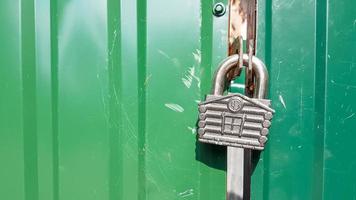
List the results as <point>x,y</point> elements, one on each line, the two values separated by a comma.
<point>219,9</point>
<point>235,120</point>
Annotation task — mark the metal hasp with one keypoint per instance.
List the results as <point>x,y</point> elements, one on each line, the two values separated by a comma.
<point>236,121</point>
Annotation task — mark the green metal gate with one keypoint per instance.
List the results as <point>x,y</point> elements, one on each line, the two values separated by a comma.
<point>98,99</point>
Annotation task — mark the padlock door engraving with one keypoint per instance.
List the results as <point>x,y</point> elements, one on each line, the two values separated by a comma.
<point>234,120</point>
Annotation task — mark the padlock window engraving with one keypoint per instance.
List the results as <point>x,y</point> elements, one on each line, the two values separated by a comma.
<point>232,123</point>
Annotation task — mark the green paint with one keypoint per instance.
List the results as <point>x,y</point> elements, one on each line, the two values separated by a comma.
<point>99,99</point>
<point>115,96</point>
<point>54,95</point>
<point>142,96</point>
<point>29,116</point>
<point>320,94</point>
<point>339,163</point>
<point>11,129</point>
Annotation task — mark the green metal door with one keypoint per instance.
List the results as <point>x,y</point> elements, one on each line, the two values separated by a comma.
<point>98,99</point>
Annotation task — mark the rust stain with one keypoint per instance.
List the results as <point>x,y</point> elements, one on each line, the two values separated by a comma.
<point>242,32</point>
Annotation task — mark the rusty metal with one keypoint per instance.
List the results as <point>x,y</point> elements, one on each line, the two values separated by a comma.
<point>242,26</point>
<point>250,44</point>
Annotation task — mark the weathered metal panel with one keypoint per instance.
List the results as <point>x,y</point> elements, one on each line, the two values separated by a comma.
<point>99,99</point>
<point>309,47</point>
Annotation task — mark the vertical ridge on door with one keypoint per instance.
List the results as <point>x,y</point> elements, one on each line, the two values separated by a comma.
<point>289,49</point>
<point>142,94</point>
<point>11,126</point>
<point>43,100</point>
<point>116,137</point>
<point>130,109</point>
<point>206,35</point>
<point>28,63</point>
<point>340,105</point>
<point>54,95</point>
<point>83,100</point>
<point>213,44</point>
<point>320,96</point>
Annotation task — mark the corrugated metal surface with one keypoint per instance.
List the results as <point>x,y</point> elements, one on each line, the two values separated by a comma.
<point>99,99</point>
<point>309,47</point>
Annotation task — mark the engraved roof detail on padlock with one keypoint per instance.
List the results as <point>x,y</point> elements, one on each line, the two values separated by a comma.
<point>263,103</point>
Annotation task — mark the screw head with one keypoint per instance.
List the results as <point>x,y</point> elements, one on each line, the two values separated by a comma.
<point>219,9</point>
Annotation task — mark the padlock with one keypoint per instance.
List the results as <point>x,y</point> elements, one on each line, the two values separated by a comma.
<point>235,119</point>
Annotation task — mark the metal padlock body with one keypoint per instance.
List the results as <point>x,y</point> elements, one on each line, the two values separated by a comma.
<point>235,119</point>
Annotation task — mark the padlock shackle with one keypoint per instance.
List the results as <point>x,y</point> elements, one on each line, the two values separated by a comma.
<point>258,67</point>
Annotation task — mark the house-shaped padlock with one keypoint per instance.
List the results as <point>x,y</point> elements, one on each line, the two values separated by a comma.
<point>235,120</point>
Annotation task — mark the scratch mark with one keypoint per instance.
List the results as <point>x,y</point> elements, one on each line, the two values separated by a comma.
<point>276,173</point>
<point>113,42</point>
<point>188,79</point>
<point>197,55</point>
<point>147,79</point>
<point>174,107</point>
<point>279,69</point>
<point>186,193</point>
<point>190,75</point>
<point>164,54</point>
<point>162,172</point>
<point>348,117</point>
<point>301,102</point>
<point>192,129</point>
<point>130,126</point>
<point>152,180</point>
<point>343,85</point>
<point>282,101</point>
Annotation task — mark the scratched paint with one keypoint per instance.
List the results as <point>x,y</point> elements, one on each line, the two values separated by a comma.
<point>174,107</point>
<point>191,76</point>
<point>186,193</point>
<point>93,105</point>
<point>280,97</point>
